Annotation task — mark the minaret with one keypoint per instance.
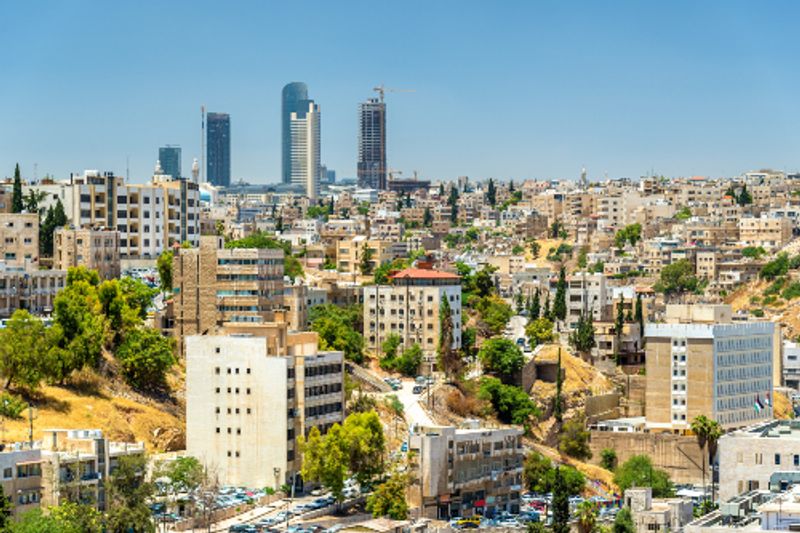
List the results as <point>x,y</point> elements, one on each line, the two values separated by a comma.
<point>584,182</point>
<point>195,170</point>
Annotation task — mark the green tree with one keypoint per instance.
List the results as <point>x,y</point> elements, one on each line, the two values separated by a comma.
<point>366,445</point>
<point>494,314</point>
<point>744,197</point>
<point>82,325</point>
<point>684,213</point>
<point>510,403</point>
<point>338,329</point>
<point>469,338</point>
<point>574,439</point>
<point>639,314</point>
<point>390,346</point>
<point>409,361</point>
<point>753,252</point>
<point>128,494</point>
<point>560,303</point>
<point>560,504</point>
<point>582,257</point>
<point>164,267</point>
<point>145,357</point>
<point>427,218</point>
<point>677,278</point>
<point>619,322</point>
<point>539,331</point>
<point>586,515</point>
<point>389,498</point>
<point>623,522</point>
<point>536,248</point>
<point>501,357</point>
<point>115,307</point>
<point>16,196</point>
<point>776,268</point>
<point>365,264</point>
<point>36,521</point>
<point>631,233</point>
<point>536,305</point>
<point>81,273</point>
<point>22,344</point>
<point>608,458</point>
<point>535,470</point>
<point>449,359</point>
<point>519,301</point>
<point>185,474</point>
<point>5,510</point>
<point>707,432</point>
<point>491,193</point>
<point>137,295</point>
<point>325,459</point>
<point>638,471</point>
<point>582,338</point>
<point>84,517</point>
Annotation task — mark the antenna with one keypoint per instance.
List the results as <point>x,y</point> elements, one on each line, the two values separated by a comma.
<point>127,168</point>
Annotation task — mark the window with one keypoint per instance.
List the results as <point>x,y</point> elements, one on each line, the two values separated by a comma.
<point>8,473</point>
<point>777,458</point>
<point>216,370</point>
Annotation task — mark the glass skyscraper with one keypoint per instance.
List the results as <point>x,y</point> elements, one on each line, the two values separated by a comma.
<point>371,166</point>
<point>218,149</point>
<point>170,158</point>
<point>294,98</point>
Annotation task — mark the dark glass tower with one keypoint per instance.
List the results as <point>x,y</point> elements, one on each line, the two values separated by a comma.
<point>372,144</point>
<point>294,98</point>
<point>218,149</point>
<point>170,158</point>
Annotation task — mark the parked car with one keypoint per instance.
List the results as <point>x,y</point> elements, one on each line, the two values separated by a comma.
<point>418,389</point>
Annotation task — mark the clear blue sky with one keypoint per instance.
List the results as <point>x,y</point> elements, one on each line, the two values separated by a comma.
<point>503,89</point>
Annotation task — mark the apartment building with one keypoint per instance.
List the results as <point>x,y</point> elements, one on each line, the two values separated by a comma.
<point>21,467</point>
<point>507,264</point>
<point>150,217</point>
<point>771,233</point>
<point>463,472</point>
<point>350,252</point>
<point>659,515</point>
<point>586,293</point>
<point>212,285</point>
<point>96,249</point>
<point>701,363</point>
<point>19,235</point>
<point>251,390</point>
<point>33,290</point>
<point>758,457</point>
<point>409,307</point>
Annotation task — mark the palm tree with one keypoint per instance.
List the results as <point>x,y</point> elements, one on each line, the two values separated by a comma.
<point>586,513</point>
<point>708,433</point>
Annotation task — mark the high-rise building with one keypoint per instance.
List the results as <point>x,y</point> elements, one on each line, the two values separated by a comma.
<point>372,144</point>
<point>304,126</point>
<point>218,149</point>
<point>294,98</point>
<point>170,158</point>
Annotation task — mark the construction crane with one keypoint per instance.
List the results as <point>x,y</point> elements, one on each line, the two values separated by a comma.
<point>382,89</point>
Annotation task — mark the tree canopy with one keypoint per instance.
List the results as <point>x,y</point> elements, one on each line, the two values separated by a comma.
<point>501,357</point>
<point>638,471</point>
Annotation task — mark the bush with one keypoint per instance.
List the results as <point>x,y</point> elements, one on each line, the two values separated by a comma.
<point>463,405</point>
<point>638,471</point>
<point>753,252</point>
<point>12,406</point>
<point>510,403</point>
<point>608,458</point>
<point>769,300</point>
<point>759,313</point>
<point>775,268</point>
<point>501,357</point>
<point>574,440</point>
<point>775,287</point>
<point>792,291</point>
<point>145,356</point>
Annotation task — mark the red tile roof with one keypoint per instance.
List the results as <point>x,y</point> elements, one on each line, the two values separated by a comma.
<point>422,273</point>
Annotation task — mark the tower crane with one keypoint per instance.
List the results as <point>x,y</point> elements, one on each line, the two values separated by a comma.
<point>382,89</point>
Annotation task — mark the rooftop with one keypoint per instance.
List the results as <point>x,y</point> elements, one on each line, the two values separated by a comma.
<point>421,273</point>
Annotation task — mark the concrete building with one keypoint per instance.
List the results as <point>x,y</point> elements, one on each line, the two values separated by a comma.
<point>585,292</point>
<point>304,128</point>
<point>467,471</point>
<point>32,290</point>
<point>150,217</point>
<point>169,157</point>
<point>349,253</point>
<point>21,467</point>
<point>19,235</point>
<point>409,307</point>
<point>750,458</point>
<point>371,167</point>
<point>218,149</point>
<point>791,365</point>
<point>664,515</point>
<point>771,233</point>
<point>212,285</point>
<point>702,363</point>
<point>251,391</point>
<point>96,249</point>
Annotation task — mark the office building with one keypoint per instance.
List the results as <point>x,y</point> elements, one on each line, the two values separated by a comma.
<point>19,235</point>
<point>409,307</point>
<point>149,217</point>
<point>218,149</point>
<point>750,458</point>
<point>294,99</point>
<point>212,285</point>
<point>467,471</point>
<point>170,158</point>
<point>701,363</point>
<point>96,249</point>
<point>304,130</point>
<point>251,390</point>
<point>32,290</point>
<point>371,166</point>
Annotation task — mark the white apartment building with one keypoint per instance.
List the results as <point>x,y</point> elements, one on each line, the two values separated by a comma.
<point>585,292</point>
<point>250,392</point>
<point>410,308</point>
<point>304,129</point>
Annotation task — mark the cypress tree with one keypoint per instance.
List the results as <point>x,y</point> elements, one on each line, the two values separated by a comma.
<point>560,303</point>
<point>491,193</point>
<point>16,197</point>
<point>535,308</point>
<point>560,504</point>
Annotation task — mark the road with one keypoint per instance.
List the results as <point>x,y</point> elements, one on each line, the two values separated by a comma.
<point>412,408</point>
<point>516,328</point>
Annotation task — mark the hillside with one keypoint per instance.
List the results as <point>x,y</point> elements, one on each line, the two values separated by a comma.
<point>93,402</point>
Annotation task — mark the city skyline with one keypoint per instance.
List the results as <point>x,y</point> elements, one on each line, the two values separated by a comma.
<point>534,91</point>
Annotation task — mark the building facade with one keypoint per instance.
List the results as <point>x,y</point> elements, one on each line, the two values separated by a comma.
<point>33,290</point>
<point>19,235</point>
<point>218,149</point>
<point>169,157</point>
<point>250,392</point>
<point>304,135</point>
<point>294,99</point>
<point>410,307</point>
<point>371,167</point>
<point>96,249</point>
<point>467,471</point>
<point>704,364</point>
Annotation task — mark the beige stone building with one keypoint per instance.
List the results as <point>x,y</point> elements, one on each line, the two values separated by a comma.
<point>701,363</point>
<point>771,233</point>
<point>96,249</point>
<point>212,285</point>
<point>19,235</point>
<point>409,307</point>
<point>21,467</point>
<point>33,290</point>
<point>349,253</point>
<point>659,515</point>
<point>251,390</point>
<point>467,471</point>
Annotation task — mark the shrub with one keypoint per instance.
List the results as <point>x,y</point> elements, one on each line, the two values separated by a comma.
<point>757,312</point>
<point>12,406</point>
<point>510,403</point>
<point>769,300</point>
<point>777,267</point>
<point>463,405</point>
<point>145,356</point>
<point>775,287</point>
<point>792,291</point>
<point>608,458</point>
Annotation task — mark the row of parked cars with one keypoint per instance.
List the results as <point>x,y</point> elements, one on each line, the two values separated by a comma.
<point>505,520</point>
